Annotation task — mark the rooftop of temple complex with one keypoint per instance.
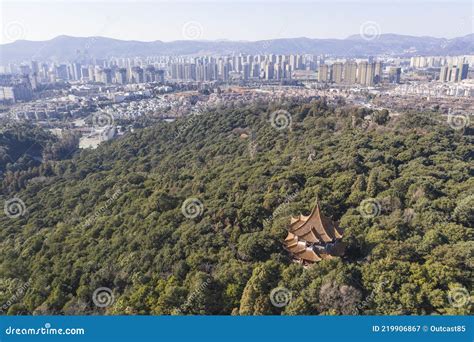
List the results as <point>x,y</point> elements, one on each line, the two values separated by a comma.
<point>314,237</point>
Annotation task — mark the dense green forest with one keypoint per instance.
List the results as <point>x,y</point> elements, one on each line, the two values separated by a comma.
<point>113,217</point>
<point>24,147</point>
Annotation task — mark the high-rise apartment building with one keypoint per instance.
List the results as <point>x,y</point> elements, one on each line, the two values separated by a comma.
<point>370,76</point>
<point>362,72</point>
<point>137,75</point>
<point>61,72</point>
<point>121,76</point>
<point>378,74</point>
<point>366,73</point>
<point>269,71</point>
<point>462,70</point>
<point>350,72</point>
<point>255,69</point>
<point>337,69</point>
<point>394,74</point>
<point>246,71</point>
<point>323,73</point>
<point>443,73</point>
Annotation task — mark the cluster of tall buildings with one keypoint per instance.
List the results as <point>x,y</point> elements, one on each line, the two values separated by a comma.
<point>15,88</point>
<point>156,69</point>
<point>454,73</point>
<point>452,68</point>
<point>258,67</point>
<point>50,73</point>
<point>245,67</point>
<point>366,73</point>
<point>420,62</point>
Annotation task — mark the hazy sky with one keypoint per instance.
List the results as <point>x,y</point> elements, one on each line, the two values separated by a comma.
<point>233,20</point>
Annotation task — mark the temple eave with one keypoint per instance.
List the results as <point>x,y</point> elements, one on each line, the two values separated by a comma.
<point>313,238</point>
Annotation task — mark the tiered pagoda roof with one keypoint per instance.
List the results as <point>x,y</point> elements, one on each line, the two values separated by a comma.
<point>313,238</point>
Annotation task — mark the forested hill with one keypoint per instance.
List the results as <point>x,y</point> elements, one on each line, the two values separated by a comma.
<point>25,146</point>
<point>188,217</point>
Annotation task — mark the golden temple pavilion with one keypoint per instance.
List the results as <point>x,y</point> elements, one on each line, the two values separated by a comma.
<point>313,238</point>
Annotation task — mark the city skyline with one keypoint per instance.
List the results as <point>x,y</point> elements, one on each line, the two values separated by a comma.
<point>165,21</point>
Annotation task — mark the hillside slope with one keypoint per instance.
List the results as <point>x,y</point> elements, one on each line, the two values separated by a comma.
<point>113,217</point>
<point>67,48</point>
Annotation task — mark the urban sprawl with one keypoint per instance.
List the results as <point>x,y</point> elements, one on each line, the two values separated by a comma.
<point>102,98</point>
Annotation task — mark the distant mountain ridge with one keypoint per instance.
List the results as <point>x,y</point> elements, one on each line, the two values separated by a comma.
<point>66,48</point>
